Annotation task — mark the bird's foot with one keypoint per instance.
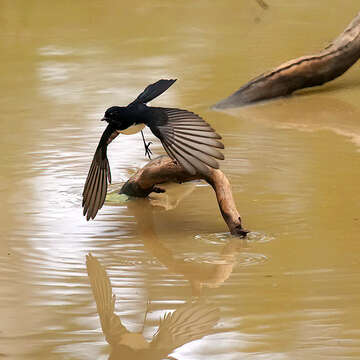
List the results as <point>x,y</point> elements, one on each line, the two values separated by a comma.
<point>148,152</point>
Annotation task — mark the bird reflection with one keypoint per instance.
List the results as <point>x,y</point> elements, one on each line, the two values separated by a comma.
<point>187,323</point>
<point>199,274</point>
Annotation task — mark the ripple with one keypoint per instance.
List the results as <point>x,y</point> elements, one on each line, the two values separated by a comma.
<point>259,237</point>
<point>214,259</point>
<point>215,238</point>
<point>223,237</point>
<point>240,259</point>
<point>249,259</point>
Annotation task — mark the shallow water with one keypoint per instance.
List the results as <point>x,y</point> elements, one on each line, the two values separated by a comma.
<point>291,291</point>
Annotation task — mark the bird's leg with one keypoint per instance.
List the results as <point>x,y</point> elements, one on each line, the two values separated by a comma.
<point>148,152</point>
<point>146,312</point>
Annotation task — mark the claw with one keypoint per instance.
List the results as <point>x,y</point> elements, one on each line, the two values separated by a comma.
<point>148,152</point>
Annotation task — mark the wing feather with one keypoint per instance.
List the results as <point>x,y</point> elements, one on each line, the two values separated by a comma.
<point>97,195</point>
<point>99,175</point>
<point>90,189</point>
<point>92,192</point>
<point>105,301</point>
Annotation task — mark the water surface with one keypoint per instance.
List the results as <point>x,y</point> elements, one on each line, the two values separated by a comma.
<point>291,291</point>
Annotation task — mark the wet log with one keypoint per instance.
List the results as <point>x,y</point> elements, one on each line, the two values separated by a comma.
<point>163,169</point>
<point>303,72</point>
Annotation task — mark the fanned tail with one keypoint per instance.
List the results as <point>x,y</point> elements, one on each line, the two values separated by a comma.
<point>154,90</point>
<point>187,323</point>
<point>187,138</point>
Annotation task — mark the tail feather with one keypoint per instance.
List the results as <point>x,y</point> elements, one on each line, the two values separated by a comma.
<point>154,90</point>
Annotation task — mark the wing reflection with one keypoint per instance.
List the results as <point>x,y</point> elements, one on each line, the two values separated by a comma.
<point>187,323</point>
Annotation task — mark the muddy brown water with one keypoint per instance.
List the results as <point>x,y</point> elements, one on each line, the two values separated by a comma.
<point>291,291</point>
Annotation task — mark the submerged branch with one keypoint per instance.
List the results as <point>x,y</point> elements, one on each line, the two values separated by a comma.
<point>163,169</point>
<point>306,71</point>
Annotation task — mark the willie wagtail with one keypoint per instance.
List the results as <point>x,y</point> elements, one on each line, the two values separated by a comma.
<point>185,136</point>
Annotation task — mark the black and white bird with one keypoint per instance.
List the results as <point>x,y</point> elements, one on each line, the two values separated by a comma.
<point>185,136</point>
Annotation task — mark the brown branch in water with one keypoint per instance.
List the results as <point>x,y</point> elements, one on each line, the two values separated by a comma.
<point>306,71</point>
<point>163,169</point>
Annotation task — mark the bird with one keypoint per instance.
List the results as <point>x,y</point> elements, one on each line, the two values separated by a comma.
<point>186,137</point>
<point>187,323</point>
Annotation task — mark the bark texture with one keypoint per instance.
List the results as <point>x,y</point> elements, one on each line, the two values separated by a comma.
<point>306,71</point>
<point>163,169</point>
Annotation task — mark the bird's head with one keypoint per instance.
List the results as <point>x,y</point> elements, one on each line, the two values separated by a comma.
<point>114,113</point>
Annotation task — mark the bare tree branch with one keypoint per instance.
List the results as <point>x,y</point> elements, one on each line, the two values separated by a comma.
<point>306,71</point>
<point>163,169</point>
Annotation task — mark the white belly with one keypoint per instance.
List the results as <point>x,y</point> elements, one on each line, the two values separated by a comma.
<point>132,129</point>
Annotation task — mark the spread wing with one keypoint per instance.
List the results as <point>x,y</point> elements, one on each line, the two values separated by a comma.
<point>188,323</point>
<point>105,301</point>
<point>99,174</point>
<point>187,138</point>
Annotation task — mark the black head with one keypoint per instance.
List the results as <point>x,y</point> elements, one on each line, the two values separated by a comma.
<point>113,113</point>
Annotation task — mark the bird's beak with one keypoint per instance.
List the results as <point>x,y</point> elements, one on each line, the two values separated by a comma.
<point>104,119</point>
